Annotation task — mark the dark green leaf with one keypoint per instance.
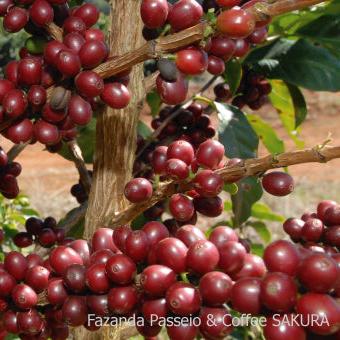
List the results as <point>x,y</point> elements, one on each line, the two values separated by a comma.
<point>257,249</point>
<point>233,74</point>
<point>232,188</point>
<point>261,230</point>
<point>235,132</point>
<point>299,103</point>
<point>266,134</point>
<point>299,63</point>
<point>143,130</point>
<point>249,192</point>
<point>154,101</point>
<point>263,212</point>
<point>138,222</point>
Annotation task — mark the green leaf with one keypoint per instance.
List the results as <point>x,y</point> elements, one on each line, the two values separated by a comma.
<point>261,211</point>
<point>143,130</point>
<point>266,134</point>
<point>299,103</point>
<point>29,212</point>
<point>261,230</point>
<point>232,188</point>
<point>249,192</point>
<point>235,132</point>
<point>86,141</point>
<point>77,231</point>
<point>299,63</point>
<point>154,101</point>
<point>233,74</point>
<point>228,206</point>
<point>257,249</point>
<point>138,222</point>
<point>282,101</point>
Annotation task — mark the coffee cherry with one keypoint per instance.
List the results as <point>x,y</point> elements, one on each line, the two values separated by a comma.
<point>56,292</point>
<point>232,257</point>
<point>202,257</point>
<point>137,246</point>
<point>323,206</point>
<point>14,103</point>
<point>172,93</point>
<point>215,322</point>
<point>24,296</point>
<point>37,278</point>
<point>83,249</point>
<point>216,66</point>
<point>181,150</point>
<point>96,279</point>
<point>258,36</point>
<point>222,47</point>
<point>318,273</point>
<point>208,184</point>
<point>5,87</point>
<point>208,206</point>
<point>183,299</point>
<point>79,110</point>
<point>68,63</point>
<point>74,24</point>
<point>278,292</point>
<point>74,278</point>
<point>181,207</point>
<point>253,266</point>
<point>221,235</point>
<point>98,304</point>
<point>156,279</point>
<point>192,61</point>
<point>15,19</point>
<point>332,216</point>
<point>138,190</point>
<point>122,300</point>
<point>16,265</point>
<point>7,283</point>
<point>4,6</point>
<point>74,41</point>
<point>120,235</point>
<point>88,13</point>
<point>155,232</point>
<point>101,256</point>
<point>184,331</point>
<point>62,257</point>
<point>282,327</point>
<point>167,70</point>
<point>215,288</point>
<point>46,133</point>
<point>116,95</point>
<point>23,240</point>
<point>10,323</point>
<point>236,23</point>
<point>93,53</point>
<point>172,253</point>
<point>177,169</point>
<point>29,322</point>
<point>184,14</point>
<point>41,12</point>
<point>36,96</point>
<point>332,236</point>
<point>312,230</point>
<point>74,311</point>
<point>154,13</point>
<point>278,183</point>
<point>228,3</point>
<point>11,71</point>
<point>322,307</point>
<point>154,308</point>
<point>52,50</point>
<point>102,239</point>
<point>89,84</point>
<point>189,234</point>
<point>120,269</point>
<point>282,256</point>
<point>293,227</point>
<point>159,158</point>
<point>210,154</point>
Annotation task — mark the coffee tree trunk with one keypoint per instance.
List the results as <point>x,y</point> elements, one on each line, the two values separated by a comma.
<point>116,138</point>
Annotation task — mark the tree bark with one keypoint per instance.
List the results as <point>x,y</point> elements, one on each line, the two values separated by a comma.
<point>116,135</point>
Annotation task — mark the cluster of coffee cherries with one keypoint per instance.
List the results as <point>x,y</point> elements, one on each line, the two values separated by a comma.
<point>318,230</point>
<point>9,171</point>
<point>236,32</point>
<point>78,191</point>
<point>45,232</point>
<point>54,88</point>
<point>153,274</point>
<point>253,91</point>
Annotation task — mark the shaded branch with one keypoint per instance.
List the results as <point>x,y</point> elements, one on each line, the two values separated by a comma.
<point>250,167</point>
<point>15,150</point>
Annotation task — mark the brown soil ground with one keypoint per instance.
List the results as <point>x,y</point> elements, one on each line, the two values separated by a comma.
<point>46,178</point>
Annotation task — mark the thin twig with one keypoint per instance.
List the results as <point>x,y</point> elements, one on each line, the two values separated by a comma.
<point>15,150</point>
<point>250,167</point>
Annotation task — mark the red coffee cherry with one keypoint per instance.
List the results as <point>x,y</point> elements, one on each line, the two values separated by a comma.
<point>36,96</point>
<point>181,150</point>
<point>46,133</point>
<point>318,273</point>
<point>282,256</point>
<point>236,23</point>
<point>122,300</point>
<point>154,13</point>
<point>208,206</point>
<point>7,283</point>
<point>102,239</point>
<point>183,298</point>
<point>52,50</point>
<point>89,84</point>
<point>332,216</point>
<point>74,311</point>
<point>253,266</point>
<point>208,184</point>
<point>210,153</point>
<point>74,278</point>
<point>37,278</point>
<point>232,257</point>
<point>68,63</point>
<point>88,13</point>
<point>74,24</point>
<point>121,269</point>
<point>228,3</point>
<point>15,19</point>
<point>116,95</point>
<point>96,278</point>
<point>312,230</point>
<point>41,12</point>
<point>245,295</point>
<point>221,235</point>
<point>189,234</point>
<point>181,207</point>
<point>62,257</point>
<point>172,93</point>
<point>93,53</point>
<point>293,227</point>
<point>23,240</point>
<point>323,206</point>
<point>4,6</point>
<point>192,61</point>
<point>155,232</point>
<point>24,296</point>
<point>74,41</point>
<point>177,169</point>
<point>278,183</point>
<point>184,14</point>
<point>278,292</point>
<point>56,292</point>
<point>216,66</point>
<point>16,265</point>
<point>138,190</point>
<point>14,103</point>
<point>137,246</point>
<point>79,110</point>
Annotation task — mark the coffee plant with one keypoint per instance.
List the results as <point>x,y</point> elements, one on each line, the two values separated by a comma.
<point>76,79</point>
